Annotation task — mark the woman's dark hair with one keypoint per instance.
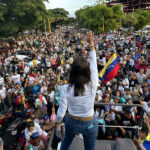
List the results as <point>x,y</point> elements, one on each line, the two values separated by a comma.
<point>80,75</point>
<point>30,124</point>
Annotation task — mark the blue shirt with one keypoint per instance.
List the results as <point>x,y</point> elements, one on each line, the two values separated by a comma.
<point>36,89</point>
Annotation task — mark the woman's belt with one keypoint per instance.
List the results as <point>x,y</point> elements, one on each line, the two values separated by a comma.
<point>81,118</point>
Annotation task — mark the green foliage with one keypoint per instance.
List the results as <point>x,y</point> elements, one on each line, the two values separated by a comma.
<point>56,16</point>
<point>143,17</point>
<point>19,15</point>
<point>99,16</point>
<point>130,20</point>
<point>58,13</point>
<point>95,17</point>
<point>138,19</point>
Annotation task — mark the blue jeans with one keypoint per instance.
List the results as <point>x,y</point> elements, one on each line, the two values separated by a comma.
<point>88,129</point>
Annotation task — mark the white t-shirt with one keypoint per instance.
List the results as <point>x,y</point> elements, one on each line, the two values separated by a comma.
<point>125,82</point>
<point>16,78</point>
<point>31,79</point>
<point>26,69</point>
<point>100,93</point>
<point>141,77</point>
<point>121,89</point>
<point>103,61</point>
<point>147,72</point>
<point>131,62</point>
<point>67,66</point>
<point>117,108</point>
<point>127,96</point>
<point>51,96</point>
<point>98,115</point>
<point>3,92</point>
<point>126,50</point>
<point>1,81</point>
<point>43,90</point>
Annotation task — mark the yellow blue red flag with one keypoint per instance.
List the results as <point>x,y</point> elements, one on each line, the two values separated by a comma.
<point>139,42</point>
<point>110,70</point>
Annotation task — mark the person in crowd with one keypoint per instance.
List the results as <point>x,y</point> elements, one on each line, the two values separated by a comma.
<point>31,129</point>
<point>43,89</point>
<point>141,76</point>
<point>36,88</point>
<point>48,125</point>
<point>116,109</point>
<point>3,98</point>
<point>146,104</point>
<point>126,119</point>
<point>139,139</point>
<point>1,80</point>
<point>40,105</point>
<point>80,91</point>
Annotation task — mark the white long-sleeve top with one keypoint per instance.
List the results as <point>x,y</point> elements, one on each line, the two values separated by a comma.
<point>81,106</point>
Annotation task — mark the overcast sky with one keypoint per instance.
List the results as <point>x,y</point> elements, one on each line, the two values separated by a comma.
<point>69,5</point>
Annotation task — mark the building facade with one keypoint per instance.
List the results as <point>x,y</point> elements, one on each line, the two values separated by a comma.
<point>130,5</point>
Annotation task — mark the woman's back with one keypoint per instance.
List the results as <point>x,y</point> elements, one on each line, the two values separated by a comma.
<point>81,105</point>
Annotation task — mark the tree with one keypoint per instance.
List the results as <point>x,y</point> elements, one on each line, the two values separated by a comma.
<point>138,19</point>
<point>58,13</point>
<point>80,16</point>
<point>143,18</point>
<point>130,20</point>
<point>20,15</point>
<point>118,13</point>
<point>100,18</point>
<point>56,16</point>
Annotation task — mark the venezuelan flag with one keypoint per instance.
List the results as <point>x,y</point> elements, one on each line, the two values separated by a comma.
<point>110,70</point>
<point>139,44</point>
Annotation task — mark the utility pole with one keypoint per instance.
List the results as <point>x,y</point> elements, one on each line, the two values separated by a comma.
<point>103,20</point>
<point>45,28</point>
<point>49,24</point>
<point>103,24</point>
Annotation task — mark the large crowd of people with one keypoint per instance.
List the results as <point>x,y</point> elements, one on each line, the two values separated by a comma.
<point>34,67</point>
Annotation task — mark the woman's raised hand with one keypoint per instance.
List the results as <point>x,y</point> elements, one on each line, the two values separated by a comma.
<point>90,39</point>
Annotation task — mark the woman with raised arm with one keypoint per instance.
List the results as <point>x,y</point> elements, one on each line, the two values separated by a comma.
<point>78,97</point>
